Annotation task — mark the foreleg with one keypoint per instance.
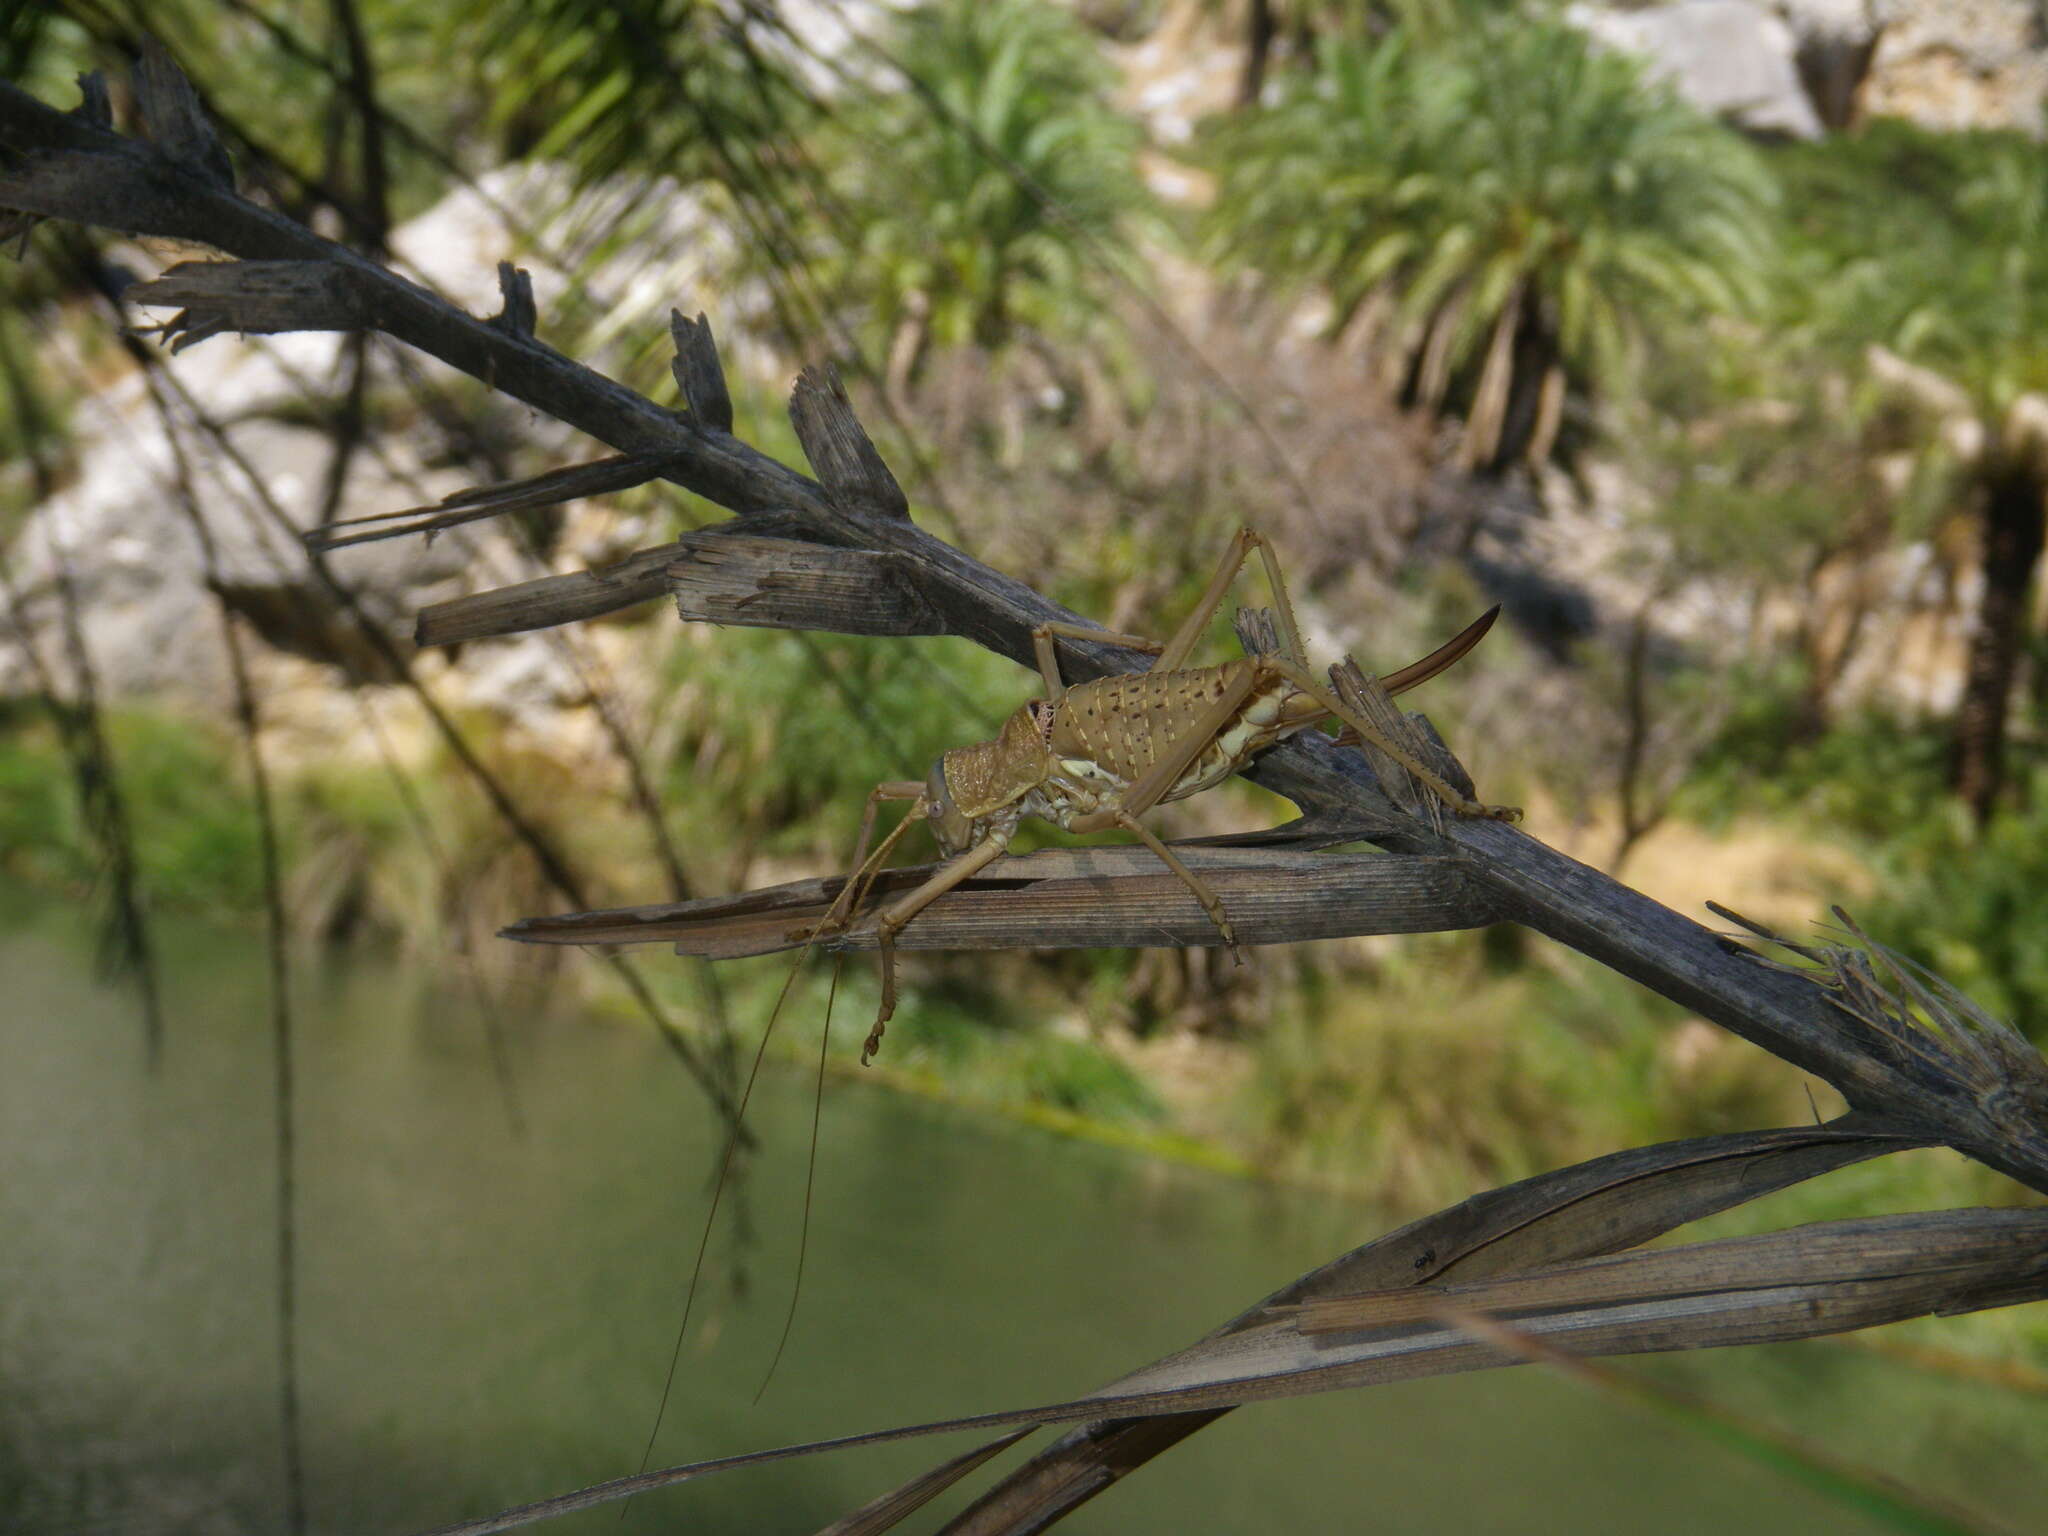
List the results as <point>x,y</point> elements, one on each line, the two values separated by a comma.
<point>860,875</point>
<point>961,868</point>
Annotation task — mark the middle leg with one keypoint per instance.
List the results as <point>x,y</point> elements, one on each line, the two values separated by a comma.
<point>1048,658</point>
<point>1197,886</point>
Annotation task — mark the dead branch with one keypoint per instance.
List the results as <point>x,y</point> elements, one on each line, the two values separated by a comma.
<point>1916,1064</point>
<point>1600,1207</point>
<point>1072,898</point>
<point>71,166</point>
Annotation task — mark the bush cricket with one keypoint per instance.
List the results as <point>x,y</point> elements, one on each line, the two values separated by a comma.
<point>1087,758</point>
<point>1101,754</point>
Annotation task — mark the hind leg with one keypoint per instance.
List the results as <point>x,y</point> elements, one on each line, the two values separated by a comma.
<point>1434,782</point>
<point>1177,650</point>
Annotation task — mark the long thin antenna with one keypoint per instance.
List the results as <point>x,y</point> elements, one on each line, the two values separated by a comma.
<point>803,1231</point>
<point>854,887</point>
<point>732,1142</point>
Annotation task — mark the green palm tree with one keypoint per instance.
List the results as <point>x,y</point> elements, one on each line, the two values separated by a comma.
<point>1505,211</point>
<point>991,190</point>
<point>1931,252</point>
<point>1266,24</point>
<point>681,87</point>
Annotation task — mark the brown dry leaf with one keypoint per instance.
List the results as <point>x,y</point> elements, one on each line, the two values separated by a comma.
<point>882,1514</point>
<point>1658,1282</point>
<point>1826,1278</point>
<point>1600,1206</point>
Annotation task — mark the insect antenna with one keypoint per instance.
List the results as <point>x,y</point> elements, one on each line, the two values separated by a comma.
<point>856,888</point>
<point>732,1142</point>
<point>803,1236</point>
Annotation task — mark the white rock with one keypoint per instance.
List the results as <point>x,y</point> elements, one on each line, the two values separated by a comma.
<point>1729,57</point>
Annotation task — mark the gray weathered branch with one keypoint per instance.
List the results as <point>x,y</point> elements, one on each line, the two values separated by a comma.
<point>797,584</point>
<point>257,298</point>
<point>851,472</point>
<point>546,601</point>
<point>69,166</point>
<point>699,374</point>
<point>572,482</point>
<point>1079,898</point>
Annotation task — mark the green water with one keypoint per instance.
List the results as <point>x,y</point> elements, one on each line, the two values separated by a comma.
<point>486,1311</point>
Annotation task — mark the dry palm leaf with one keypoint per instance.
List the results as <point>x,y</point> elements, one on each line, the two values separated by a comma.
<point>1069,898</point>
<point>1797,1284</point>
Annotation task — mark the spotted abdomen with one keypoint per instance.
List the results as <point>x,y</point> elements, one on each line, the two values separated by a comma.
<point>1121,726</point>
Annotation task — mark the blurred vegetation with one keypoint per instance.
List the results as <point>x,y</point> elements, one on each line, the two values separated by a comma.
<point>1962,898</point>
<point>1503,210</point>
<point>1005,179</point>
<point>1559,265</point>
<point>1931,248</point>
<point>572,80</point>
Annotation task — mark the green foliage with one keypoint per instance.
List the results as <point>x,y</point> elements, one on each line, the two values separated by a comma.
<point>40,51</point>
<point>1440,1073</point>
<point>786,733</point>
<point>1966,902</point>
<point>1755,456</point>
<point>1027,1069</point>
<point>683,88</point>
<point>1082,1078</point>
<point>984,190</point>
<point>1518,202</point>
<point>1870,775</point>
<point>195,838</point>
<point>356,863</point>
<point>1296,21</point>
<point>1872,193</point>
<point>1963,901</point>
<point>1767,446</point>
<point>1934,244</point>
<point>965,1032</point>
<point>41,841</point>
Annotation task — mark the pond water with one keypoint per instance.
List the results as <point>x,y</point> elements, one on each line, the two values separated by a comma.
<point>487,1301</point>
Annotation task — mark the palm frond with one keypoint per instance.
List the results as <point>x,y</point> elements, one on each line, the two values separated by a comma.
<point>1506,165</point>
